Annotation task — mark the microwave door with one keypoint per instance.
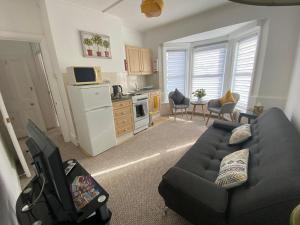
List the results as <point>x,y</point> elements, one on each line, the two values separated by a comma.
<point>84,75</point>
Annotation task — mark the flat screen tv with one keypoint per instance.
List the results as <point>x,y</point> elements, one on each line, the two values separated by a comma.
<point>49,165</point>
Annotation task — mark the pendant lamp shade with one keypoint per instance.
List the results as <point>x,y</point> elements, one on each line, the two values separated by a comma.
<point>269,2</point>
<point>152,8</point>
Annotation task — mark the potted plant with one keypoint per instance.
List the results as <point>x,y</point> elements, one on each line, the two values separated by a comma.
<point>106,45</point>
<point>199,93</point>
<point>88,42</point>
<point>98,42</point>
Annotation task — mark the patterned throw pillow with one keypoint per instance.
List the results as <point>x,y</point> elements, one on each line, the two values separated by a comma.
<point>240,134</point>
<point>233,169</point>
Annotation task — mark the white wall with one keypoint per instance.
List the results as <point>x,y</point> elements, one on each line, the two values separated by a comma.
<point>67,19</point>
<point>9,180</point>
<point>281,35</point>
<point>62,22</point>
<point>20,16</point>
<point>293,103</point>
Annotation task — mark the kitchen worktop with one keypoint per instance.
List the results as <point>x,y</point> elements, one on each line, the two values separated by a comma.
<point>129,96</point>
<point>124,98</point>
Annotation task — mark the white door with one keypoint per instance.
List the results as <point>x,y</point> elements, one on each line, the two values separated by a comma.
<point>19,95</point>
<point>13,136</point>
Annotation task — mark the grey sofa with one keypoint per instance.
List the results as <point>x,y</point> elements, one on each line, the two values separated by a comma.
<point>273,186</point>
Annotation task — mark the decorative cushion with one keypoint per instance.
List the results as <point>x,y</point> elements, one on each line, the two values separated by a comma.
<point>240,134</point>
<point>227,98</point>
<point>177,97</point>
<point>233,169</point>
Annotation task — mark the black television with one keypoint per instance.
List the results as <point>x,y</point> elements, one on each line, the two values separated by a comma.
<point>49,165</point>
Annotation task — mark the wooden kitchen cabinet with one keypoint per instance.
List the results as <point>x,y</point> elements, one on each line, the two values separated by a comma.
<point>123,117</point>
<point>139,60</point>
<point>146,61</point>
<point>154,101</point>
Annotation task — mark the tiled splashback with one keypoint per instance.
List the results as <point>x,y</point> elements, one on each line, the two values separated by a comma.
<point>127,82</point>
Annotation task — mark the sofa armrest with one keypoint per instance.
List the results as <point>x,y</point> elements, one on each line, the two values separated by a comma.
<point>225,125</point>
<point>203,193</point>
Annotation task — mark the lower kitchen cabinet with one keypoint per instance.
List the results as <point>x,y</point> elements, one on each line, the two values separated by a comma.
<point>123,117</point>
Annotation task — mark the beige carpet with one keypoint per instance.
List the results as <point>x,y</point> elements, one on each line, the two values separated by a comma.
<point>132,171</point>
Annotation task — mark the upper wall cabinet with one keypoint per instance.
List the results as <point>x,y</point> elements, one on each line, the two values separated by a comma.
<point>139,60</point>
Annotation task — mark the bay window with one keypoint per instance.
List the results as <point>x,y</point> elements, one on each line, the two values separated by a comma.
<point>208,69</point>
<point>176,70</point>
<point>214,67</point>
<point>243,69</point>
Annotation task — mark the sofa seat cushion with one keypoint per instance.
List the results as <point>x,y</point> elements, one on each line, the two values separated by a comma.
<point>205,156</point>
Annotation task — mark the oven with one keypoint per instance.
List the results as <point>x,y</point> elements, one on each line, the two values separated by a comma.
<point>140,112</point>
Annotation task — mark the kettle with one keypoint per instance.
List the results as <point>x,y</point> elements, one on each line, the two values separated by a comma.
<point>117,91</point>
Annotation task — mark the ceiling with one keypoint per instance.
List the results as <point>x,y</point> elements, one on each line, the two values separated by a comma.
<point>217,33</point>
<point>129,10</point>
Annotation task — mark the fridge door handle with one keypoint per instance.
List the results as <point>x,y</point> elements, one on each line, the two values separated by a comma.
<point>100,107</point>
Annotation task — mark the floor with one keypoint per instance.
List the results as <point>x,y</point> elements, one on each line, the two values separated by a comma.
<point>131,171</point>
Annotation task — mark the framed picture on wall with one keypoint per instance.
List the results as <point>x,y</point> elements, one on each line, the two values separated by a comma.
<point>95,45</point>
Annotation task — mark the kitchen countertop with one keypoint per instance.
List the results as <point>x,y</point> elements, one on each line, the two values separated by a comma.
<point>129,96</point>
<point>124,97</point>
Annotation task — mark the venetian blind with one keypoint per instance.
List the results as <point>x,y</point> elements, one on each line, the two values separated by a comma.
<point>208,69</point>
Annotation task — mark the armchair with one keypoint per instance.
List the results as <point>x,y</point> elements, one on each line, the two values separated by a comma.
<point>215,106</point>
<point>183,106</point>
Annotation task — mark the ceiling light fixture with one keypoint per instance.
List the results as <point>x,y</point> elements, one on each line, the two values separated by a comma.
<point>152,8</point>
<point>269,2</point>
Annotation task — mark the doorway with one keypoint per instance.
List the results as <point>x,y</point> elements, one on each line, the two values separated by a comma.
<point>25,88</point>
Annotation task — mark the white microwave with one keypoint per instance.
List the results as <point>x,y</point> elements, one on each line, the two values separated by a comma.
<point>78,75</point>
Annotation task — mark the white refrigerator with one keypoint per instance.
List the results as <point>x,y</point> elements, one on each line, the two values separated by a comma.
<point>93,117</point>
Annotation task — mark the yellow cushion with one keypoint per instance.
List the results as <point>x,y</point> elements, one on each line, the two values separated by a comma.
<point>227,98</point>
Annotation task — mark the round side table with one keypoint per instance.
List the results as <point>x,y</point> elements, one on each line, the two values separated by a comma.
<point>201,103</point>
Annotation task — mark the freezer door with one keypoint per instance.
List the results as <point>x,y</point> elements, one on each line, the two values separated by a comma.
<point>101,130</point>
<point>95,97</point>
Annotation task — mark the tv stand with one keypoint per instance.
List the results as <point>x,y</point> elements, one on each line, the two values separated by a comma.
<point>48,210</point>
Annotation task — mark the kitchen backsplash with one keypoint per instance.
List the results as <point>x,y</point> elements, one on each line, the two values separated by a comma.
<point>128,82</point>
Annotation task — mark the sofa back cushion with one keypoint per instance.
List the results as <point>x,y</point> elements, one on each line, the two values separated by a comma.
<point>274,166</point>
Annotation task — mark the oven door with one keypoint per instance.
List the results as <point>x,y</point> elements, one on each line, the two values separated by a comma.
<point>140,110</point>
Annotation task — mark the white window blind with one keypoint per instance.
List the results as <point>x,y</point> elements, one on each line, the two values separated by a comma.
<point>208,69</point>
<point>175,70</point>
<point>243,69</point>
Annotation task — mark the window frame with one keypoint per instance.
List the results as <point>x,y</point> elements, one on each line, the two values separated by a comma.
<point>246,35</point>
<point>177,47</point>
<point>230,60</point>
<point>207,47</point>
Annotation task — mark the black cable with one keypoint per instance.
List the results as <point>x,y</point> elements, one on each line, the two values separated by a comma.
<point>29,206</point>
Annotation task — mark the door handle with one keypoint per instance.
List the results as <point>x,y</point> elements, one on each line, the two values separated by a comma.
<point>31,103</point>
